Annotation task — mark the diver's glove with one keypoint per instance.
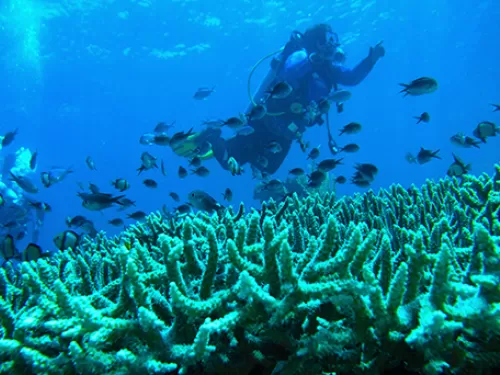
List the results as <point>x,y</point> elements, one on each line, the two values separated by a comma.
<point>377,52</point>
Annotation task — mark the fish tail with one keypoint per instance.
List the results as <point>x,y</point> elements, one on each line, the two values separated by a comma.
<point>418,118</point>
<point>435,154</point>
<point>117,199</point>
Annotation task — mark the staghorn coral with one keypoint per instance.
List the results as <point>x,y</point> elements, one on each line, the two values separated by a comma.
<point>403,278</point>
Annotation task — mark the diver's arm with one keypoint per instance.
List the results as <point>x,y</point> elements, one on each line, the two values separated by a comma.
<point>352,77</point>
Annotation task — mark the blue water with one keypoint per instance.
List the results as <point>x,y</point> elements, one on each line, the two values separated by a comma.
<point>82,78</point>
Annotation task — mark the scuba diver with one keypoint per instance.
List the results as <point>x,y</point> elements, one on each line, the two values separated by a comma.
<point>311,65</point>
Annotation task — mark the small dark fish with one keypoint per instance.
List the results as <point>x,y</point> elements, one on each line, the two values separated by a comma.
<point>148,162</point>
<point>340,180</point>
<point>366,171</point>
<point>424,117</point>
<point>458,168</point>
<point>9,251</point>
<point>359,180</point>
<point>329,164</point>
<point>203,201</point>
<point>116,222</point>
<point>324,106</point>
<point>163,127</point>
<point>314,153</point>
<point>195,162</point>
<point>183,209</point>
<point>182,172</point>
<point>24,183</point>
<point>280,91</point>
<point>419,86</point>
<point>274,147</point>
<point>201,171</point>
<point>317,177</point>
<point>42,206</point>
<point>94,188</point>
<point>152,184</point>
<point>273,185</point>
<point>121,184</point>
<point>425,156</point>
<point>162,168</point>
<point>485,129</point>
<point>351,147</point>
<point>33,160</point>
<point>180,137</point>
<point>161,140</point>
<point>462,140</point>
<point>203,92</point>
<point>2,200</point>
<point>8,138</point>
<point>98,201</point>
<point>138,215</point>
<point>496,107</point>
<point>340,96</point>
<point>175,196</point>
<point>76,221</point>
<point>351,128</point>
<point>410,158</point>
<point>90,163</point>
<point>257,112</point>
<point>234,123</point>
<point>228,195</point>
<point>67,240</point>
<point>296,172</point>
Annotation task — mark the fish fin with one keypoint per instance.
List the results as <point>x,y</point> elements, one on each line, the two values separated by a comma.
<point>435,154</point>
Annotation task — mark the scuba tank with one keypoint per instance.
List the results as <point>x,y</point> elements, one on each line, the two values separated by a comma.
<point>279,58</point>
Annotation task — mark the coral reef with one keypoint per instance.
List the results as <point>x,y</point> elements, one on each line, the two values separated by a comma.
<point>405,278</point>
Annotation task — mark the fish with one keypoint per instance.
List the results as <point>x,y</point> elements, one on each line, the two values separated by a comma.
<point>182,172</point>
<point>424,117</point>
<point>203,201</point>
<point>161,140</point>
<point>314,153</point>
<point>281,90</point>
<point>195,162</point>
<point>339,96</point>
<point>94,188</point>
<point>359,180</point>
<point>138,215</point>
<point>410,158</point>
<point>203,92</point>
<point>274,147</point>
<point>147,139</point>
<point>296,172</point>
<point>460,139</point>
<point>90,163</point>
<point>42,206</point>
<point>351,147</point>
<point>152,184</point>
<point>425,156</point>
<point>148,162</point>
<point>329,164</point>
<point>121,184</point>
<point>162,168</point>
<point>67,240</point>
<point>246,130</point>
<point>324,106</point>
<point>351,128</point>
<point>98,201</point>
<point>24,183</point>
<point>317,177</point>
<point>419,86</point>
<point>9,137</point>
<point>116,222</point>
<point>174,196</point>
<point>32,252</point>
<point>183,209</point>
<point>257,112</point>
<point>54,176</point>
<point>272,185</point>
<point>180,137</point>
<point>485,129</point>
<point>33,160</point>
<point>341,180</point>
<point>366,171</point>
<point>227,195</point>
<point>201,171</point>
<point>163,127</point>
<point>458,168</point>
<point>76,221</point>
<point>496,107</point>
<point>234,123</point>
<point>234,167</point>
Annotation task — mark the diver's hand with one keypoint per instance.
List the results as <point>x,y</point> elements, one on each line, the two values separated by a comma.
<point>377,52</point>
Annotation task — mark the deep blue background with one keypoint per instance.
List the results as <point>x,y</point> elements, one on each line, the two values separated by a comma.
<point>69,86</point>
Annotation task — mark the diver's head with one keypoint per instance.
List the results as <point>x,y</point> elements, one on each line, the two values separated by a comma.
<point>321,40</point>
